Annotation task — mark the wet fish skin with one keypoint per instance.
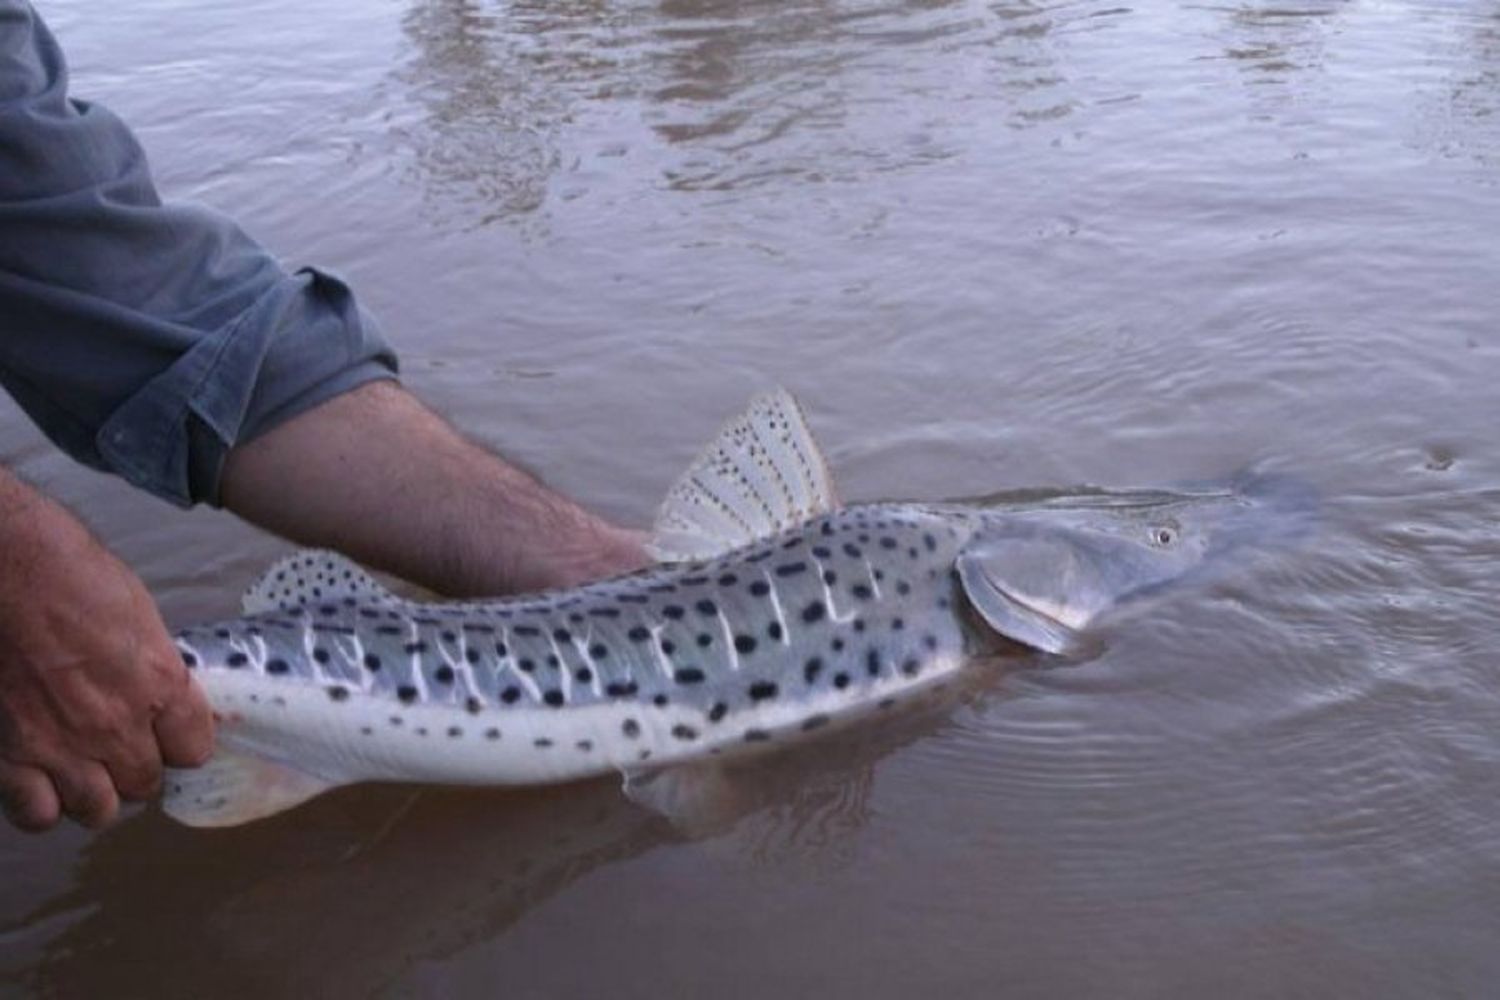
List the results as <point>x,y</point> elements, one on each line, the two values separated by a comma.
<point>834,617</point>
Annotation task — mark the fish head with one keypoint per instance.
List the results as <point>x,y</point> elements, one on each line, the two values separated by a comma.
<point>1042,568</point>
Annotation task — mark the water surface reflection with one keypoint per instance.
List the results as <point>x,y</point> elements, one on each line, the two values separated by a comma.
<point>350,894</point>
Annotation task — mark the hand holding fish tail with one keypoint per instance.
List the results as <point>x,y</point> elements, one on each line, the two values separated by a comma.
<point>345,474</point>
<point>93,696</point>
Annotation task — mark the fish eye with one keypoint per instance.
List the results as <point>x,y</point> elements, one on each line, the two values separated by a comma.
<point>1163,535</point>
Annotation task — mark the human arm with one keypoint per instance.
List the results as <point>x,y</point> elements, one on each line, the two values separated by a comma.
<point>158,342</point>
<point>378,476</point>
<point>94,697</point>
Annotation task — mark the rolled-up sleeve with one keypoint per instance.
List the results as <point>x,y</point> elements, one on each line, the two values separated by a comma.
<point>146,339</point>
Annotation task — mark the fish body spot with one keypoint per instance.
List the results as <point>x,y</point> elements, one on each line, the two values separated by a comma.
<point>762,690</point>
<point>812,668</point>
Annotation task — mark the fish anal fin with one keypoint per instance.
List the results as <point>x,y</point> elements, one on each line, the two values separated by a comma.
<point>762,474</point>
<point>698,798</point>
<point>311,576</point>
<point>234,788</point>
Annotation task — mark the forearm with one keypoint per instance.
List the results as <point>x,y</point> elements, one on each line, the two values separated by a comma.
<point>16,498</point>
<point>376,475</point>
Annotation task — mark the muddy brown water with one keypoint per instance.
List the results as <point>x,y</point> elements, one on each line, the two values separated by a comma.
<point>991,245</point>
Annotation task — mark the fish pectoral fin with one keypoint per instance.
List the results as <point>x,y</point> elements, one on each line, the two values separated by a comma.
<point>763,473</point>
<point>234,788</point>
<point>1005,611</point>
<point>698,798</point>
<point>313,576</point>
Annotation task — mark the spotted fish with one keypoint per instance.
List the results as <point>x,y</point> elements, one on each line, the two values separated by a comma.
<point>773,612</point>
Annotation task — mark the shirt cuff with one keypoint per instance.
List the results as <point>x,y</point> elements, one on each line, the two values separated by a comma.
<point>304,341</point>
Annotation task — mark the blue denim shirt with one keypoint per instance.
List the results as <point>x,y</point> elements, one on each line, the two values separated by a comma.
<point>145,339</point>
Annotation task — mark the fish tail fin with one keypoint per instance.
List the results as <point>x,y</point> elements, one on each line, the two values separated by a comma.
<point>234,788</point>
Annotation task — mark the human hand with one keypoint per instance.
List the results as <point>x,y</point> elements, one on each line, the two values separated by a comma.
<point>94,697</point>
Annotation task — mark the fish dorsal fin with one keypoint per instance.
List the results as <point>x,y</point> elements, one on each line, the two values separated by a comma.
<point>234,788</point>
<point>763,473</point>
<point>311,576</point>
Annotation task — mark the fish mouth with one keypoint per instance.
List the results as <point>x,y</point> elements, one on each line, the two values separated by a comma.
<point>1287,494</point>
<point>1278,511</point>
<point>1091,498</point>
<point>1275,505</point>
